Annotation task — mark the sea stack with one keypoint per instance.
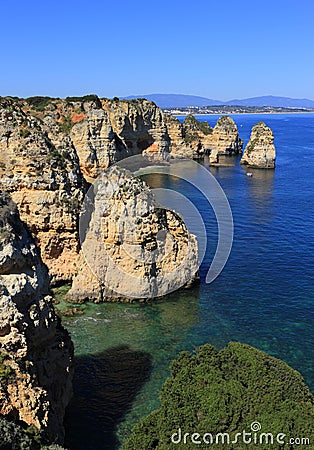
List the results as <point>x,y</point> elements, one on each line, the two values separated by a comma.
<point>36,352</point>
<point>260,151</point>
<point>133,248</point>
<point>194,139</point>
<point>225,139</point>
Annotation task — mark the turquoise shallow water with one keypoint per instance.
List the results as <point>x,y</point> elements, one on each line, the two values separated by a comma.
<point>264,296</point>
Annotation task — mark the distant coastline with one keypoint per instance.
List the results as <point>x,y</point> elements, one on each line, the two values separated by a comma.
<point>240,113</point>
<point>226,110</point>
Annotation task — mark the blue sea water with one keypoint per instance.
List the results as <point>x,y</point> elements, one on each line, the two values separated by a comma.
<point>263,297</point>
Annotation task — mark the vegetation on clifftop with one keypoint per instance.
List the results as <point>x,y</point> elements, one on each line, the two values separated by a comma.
<point>226,391</point>
<point>191,123</point>
<point>39,103</point>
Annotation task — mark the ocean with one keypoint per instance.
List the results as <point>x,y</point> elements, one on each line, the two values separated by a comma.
<point>264,296</point>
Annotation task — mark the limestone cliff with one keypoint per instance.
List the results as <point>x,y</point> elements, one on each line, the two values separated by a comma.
<point>179,147</point>
<point>117,130</point>
<point>35,350</point>
<point>133,249</point>
<point>51,148</point>
<point>40,168</point>
<point>47,146</point>
<point>260,151</point>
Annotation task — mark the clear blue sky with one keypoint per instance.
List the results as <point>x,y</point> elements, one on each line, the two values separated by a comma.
<point>218,49</point>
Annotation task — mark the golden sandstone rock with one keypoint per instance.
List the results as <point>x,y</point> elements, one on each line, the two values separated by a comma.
<point>36,351</point>
<point>260,151</point>
<point>50,149</point>
<point>133,249</point>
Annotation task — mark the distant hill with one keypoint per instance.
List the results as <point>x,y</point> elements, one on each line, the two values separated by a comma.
<point>270,100</point>
<point>177,100</point>
<point>183,101</point>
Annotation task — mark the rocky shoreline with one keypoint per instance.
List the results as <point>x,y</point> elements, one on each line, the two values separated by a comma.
<point>52,149</point>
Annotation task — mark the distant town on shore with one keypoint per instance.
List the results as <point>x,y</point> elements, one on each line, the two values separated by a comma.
<point>226,109</point>
<point>182,104</point>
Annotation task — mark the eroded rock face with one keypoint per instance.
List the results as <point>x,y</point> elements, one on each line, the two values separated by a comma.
<point>260,151</point>
<point>224,140</point>
<point>117,130</point>
<point>188,139</point>
<point>46,150</point>
<point>51,148</point>
<point>194,139</point>
<point>36,351</point>
<point>40,168</point>
<point>136,250</point>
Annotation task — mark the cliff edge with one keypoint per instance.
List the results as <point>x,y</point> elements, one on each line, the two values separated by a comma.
<point>35,350</point>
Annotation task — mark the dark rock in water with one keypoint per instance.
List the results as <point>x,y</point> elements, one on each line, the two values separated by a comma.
<point>72,312</point>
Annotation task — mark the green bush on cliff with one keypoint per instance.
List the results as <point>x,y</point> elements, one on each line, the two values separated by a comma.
<point>190,123</point>
<point>5,371</point>
<point>12,436</point>
<point>225,392</point>
<point>66,124</point>
<point>39,103</point>
<point>84,98</point>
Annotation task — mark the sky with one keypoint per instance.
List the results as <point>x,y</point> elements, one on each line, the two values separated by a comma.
<point>216,49</point>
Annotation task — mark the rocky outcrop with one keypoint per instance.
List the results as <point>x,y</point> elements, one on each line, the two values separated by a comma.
<point>133,249</point>
<point>224,140</point>
<point>47,146</point>
<point>51,148</point>
<point>260,151</point>
<point>35,350</point>
<point>117,130</point>
<point>194,139</point>
<point>178,146</point>
<point>188,139</point>
<point>39,167</point>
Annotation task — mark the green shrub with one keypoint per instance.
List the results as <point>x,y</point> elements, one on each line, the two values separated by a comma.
<point>226,391</point>
<point>190,123</point>
<point>14,437</point>
<point>84,98</point>
<point>6,373</point>
<point>39,103</point>
<point>24,133</point>
<point>66,124</point>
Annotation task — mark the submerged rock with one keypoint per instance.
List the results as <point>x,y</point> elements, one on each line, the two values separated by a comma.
<point>133,249</point>
<point>260,151</point>
<point>35,350</point>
